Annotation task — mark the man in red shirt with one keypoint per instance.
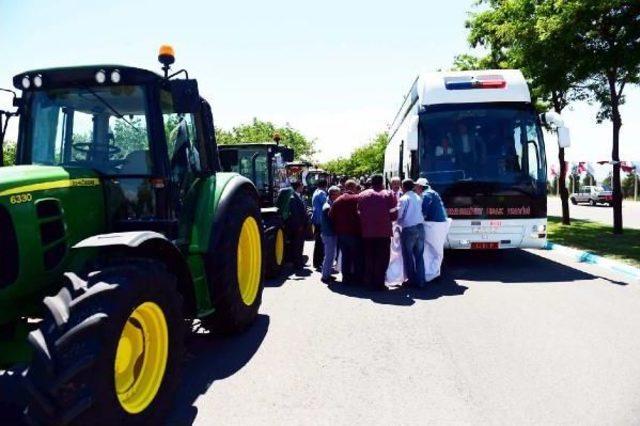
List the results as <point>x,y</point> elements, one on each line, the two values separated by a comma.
<point>378,209</point>
<point>346,224</point>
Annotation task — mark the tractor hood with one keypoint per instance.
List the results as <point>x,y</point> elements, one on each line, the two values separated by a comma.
<point>22,179</point>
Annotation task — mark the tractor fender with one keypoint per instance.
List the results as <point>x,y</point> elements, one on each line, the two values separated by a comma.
<point>146,244</point>
<point>235,185</point>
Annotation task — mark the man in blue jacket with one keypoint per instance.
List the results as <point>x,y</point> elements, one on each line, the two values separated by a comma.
<point>317,203</point>
<point>432,206</point>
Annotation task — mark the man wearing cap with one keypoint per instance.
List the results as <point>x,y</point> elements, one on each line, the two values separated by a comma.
<point>436,228</point>
<point>432,207</point>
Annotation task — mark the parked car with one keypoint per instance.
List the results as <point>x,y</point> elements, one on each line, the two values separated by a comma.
<point>593,195</point>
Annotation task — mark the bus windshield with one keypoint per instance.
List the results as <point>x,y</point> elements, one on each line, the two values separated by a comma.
<point>499,144</point>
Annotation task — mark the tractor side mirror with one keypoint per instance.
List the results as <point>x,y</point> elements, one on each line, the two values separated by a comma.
<point>185,96</point>
<point>564,138</point>
<point>228,159</point>
<point>287,155</point>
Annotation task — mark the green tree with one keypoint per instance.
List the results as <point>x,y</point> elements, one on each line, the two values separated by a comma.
<point>9,153</point>
<point>363,161</point>
<point>263,131</point>
<point>628,185</point>
<point>128,135</point>
<point>517,34</point>
<point>606,38</point>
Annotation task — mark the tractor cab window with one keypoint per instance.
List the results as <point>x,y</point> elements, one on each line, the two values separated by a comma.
<point>184,144</point>
<point>180,132</point>
<point>103,128</point>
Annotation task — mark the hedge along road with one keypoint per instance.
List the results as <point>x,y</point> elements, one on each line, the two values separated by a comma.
<point>600,213</point>
<point>508,337</point>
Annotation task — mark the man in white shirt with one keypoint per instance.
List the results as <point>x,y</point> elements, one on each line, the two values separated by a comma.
<point>412,235</point>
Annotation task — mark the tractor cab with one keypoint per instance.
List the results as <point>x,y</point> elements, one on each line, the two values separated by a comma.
<point>144,137</point>
<point>263,163</point>
<point>309,175</point>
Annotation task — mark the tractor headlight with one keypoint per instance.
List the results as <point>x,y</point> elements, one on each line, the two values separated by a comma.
<point>115,76</point>
<point>101,76</point>
<point>37,80</point>
<point>26,83</point>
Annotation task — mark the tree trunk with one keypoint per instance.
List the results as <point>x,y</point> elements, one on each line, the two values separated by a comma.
<point>616,120</point>
<point>564,193</point>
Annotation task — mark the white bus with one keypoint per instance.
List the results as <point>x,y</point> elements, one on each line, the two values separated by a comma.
<point>477,139</point>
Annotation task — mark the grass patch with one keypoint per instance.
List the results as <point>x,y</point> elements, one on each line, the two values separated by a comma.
<point>596,238</point>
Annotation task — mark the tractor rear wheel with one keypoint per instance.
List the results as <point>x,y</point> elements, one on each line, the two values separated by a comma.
<point>109,348</point>
<point>235,268</point>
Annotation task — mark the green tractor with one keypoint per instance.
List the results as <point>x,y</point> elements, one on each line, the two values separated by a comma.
<point>265,165</point>
<point>309,175</point>
<point>117,228</point>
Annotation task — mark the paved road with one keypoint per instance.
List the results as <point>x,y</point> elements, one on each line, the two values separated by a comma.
<point>505,338</point>
<point>604,214</point>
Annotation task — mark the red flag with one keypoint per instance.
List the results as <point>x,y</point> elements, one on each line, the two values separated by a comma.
<point>626,166</point>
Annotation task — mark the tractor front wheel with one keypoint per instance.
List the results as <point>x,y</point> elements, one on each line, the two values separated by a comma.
<point>109,348</point>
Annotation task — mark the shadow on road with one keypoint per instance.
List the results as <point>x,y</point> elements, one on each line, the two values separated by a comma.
<point>402,296</point>
<point>209,359</point>
<point>288,273</point>
<point>509,267</point>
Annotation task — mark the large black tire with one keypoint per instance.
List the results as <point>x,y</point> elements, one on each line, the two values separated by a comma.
<point>275,243</point>
<point>592,202</point>
<point>232,315</point>
<point>71,379</point>
<point>574,201</point>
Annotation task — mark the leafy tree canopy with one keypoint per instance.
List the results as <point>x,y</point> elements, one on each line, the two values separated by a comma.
<point>9,153</point>
<point>263,131</point>
<point>363,161</point>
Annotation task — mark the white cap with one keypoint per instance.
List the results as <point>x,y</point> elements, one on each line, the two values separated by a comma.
<point>422,182</point>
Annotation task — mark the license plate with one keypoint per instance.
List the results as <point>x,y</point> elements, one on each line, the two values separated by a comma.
<point>484,246</point>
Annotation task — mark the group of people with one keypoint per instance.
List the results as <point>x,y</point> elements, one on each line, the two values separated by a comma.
<point>356,227</point>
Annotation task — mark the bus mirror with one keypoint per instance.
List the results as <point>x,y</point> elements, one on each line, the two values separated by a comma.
<point>564,138</point>
<point>552,119</point>
<point>411,139</point>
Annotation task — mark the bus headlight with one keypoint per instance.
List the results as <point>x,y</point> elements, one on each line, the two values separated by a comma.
<point>37,80</point>
<point>539,229</point>
<point>26,83</point>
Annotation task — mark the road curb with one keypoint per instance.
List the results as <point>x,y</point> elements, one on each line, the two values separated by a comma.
<point>587,257</point>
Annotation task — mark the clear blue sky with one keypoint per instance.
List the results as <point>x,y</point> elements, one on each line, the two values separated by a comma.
<point>336,70</point>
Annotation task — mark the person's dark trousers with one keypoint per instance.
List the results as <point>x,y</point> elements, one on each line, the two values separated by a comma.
<point>376,253</point>
<point>412,242</point>
<point>297,248</point>
<point>318,248</point>
<point>352,258</point>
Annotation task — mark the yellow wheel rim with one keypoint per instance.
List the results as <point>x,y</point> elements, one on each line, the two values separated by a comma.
<point>279,247</point>
<point>141,357</point>
<point>249,260</point>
